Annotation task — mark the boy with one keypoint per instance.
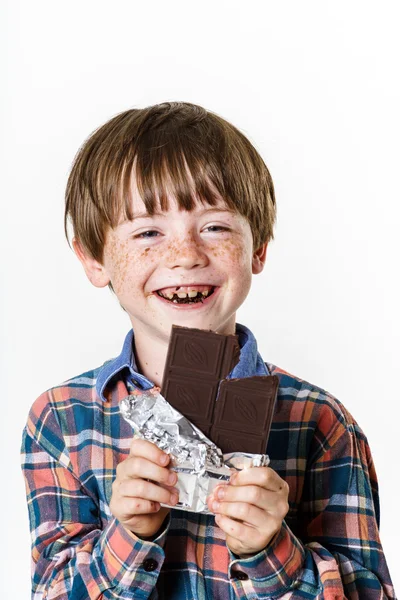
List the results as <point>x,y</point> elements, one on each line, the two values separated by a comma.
<point>173,208</point>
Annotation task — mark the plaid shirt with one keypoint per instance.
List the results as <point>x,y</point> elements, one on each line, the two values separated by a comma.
<point>328,546</point>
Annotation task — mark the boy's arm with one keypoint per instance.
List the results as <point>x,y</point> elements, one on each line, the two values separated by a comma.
<point>74,554</point>
<point>340,554</point>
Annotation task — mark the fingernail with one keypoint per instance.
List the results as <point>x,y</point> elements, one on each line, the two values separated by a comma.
<point>174,498</point>
<point>215,505</point>
<point>221,493</point>
<point>164,459</point>
<point>172,478</point>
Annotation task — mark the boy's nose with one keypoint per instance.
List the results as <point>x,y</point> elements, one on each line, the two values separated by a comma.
<point>186,253</point>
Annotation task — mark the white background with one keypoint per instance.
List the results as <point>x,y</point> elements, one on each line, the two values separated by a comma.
<point>315,85</point>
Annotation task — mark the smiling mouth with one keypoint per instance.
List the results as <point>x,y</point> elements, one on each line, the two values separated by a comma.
<point>186,295</point>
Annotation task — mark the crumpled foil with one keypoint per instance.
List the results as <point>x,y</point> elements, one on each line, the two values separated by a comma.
<point>199,463</point>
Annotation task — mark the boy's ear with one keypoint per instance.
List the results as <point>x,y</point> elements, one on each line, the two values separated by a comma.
<point>95,271</point>
<point>259,258</point>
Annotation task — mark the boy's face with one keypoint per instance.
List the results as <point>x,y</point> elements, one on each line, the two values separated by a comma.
<point>177,267</point>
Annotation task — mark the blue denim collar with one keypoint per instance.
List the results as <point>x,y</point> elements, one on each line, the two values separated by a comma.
<point>250,363</point>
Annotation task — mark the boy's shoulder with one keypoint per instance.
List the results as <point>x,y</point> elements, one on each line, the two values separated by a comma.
<point>293,384</point>
<point>72,394</point>
<point>80,387</point>
<point>307,398</point>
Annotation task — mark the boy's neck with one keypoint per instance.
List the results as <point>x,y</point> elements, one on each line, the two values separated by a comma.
<point>150,355</point>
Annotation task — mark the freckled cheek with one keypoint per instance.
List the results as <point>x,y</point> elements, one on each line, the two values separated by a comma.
<point>232,254</point>
<point>128,272</point>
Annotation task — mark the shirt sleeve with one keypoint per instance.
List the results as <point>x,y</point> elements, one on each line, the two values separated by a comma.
<point>337,553</point>
<point>74,555</point>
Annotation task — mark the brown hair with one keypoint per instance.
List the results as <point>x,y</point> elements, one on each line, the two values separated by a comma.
<point>172,148</point>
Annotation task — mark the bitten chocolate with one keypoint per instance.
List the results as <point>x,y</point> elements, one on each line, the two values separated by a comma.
<point>198,361</point>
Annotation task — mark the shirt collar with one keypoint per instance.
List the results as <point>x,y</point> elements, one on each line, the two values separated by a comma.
<point>250,363</point>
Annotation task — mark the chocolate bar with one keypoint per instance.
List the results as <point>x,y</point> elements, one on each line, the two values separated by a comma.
<point>196,362</point>
<point>240,419</point>
<point>243,414</point>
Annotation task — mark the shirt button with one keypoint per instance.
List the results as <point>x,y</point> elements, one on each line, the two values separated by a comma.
<point>239,575</point>
<point>150,564</point>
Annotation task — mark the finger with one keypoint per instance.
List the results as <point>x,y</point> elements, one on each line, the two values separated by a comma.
<point>261,476</point>
<point>139,488</point>
<point>138,506</point>
<point>235,529</point>
<point>252,494</point>
<point>249,514</point>
<point>138,467</point>
<point>148,450</point>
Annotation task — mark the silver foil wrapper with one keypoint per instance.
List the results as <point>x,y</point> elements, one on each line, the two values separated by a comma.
<point>199,463</point>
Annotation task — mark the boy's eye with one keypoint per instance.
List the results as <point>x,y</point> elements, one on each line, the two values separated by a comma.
<point>147,234</point>
<point>214,228</point>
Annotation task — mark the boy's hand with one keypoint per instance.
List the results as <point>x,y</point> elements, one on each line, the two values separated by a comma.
<point>250,509</point>
<point>135,500</point>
